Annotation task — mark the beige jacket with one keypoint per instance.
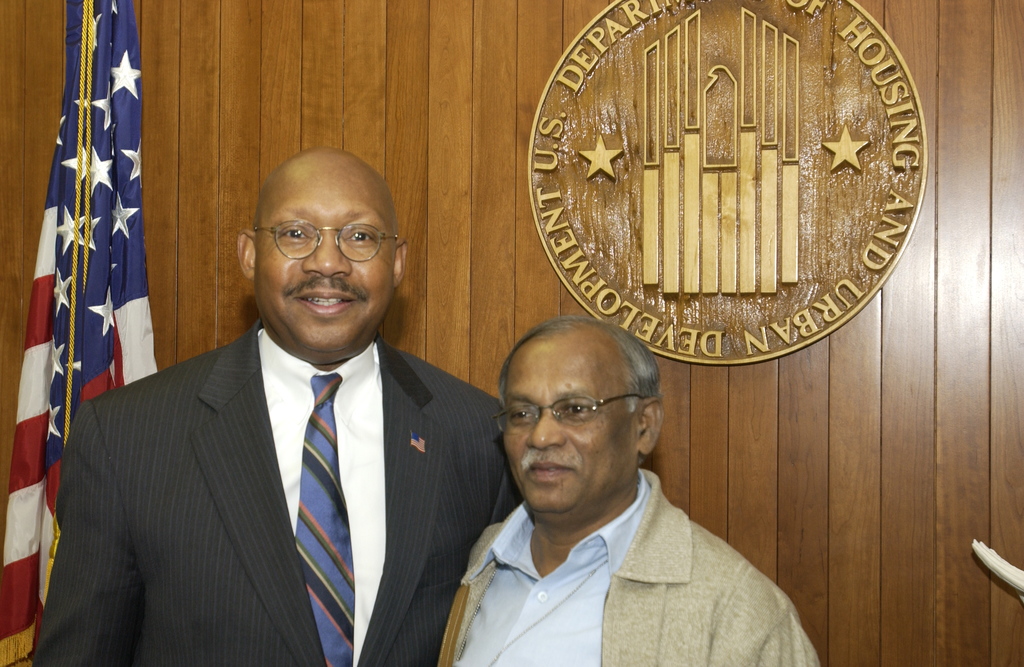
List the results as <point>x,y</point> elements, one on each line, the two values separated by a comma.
<point>682,597</point>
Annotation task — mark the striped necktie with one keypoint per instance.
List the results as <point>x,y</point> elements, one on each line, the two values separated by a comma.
<point>322,534</point>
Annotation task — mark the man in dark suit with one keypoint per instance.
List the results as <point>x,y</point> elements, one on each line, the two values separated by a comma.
<point>181,494</point>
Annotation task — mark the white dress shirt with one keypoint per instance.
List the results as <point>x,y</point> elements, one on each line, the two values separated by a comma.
<point>359,414</point>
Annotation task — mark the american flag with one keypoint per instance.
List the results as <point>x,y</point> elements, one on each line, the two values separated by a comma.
<point>419,443</point>
<point>89,295</point>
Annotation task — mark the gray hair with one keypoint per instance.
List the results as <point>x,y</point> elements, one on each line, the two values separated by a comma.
<point>642,373</point>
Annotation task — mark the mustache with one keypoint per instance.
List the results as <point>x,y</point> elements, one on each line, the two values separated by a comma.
<point>565,459</point>
<point>334,283</point>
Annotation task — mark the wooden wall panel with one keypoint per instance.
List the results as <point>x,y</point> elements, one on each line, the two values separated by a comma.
<point>709,448</point>
<point>325,107</point>
<point>450,164</point>
<point>1007,381</point>
<point>198,183</point>
<point>963,310</point>
<point>803,547</point>
<point>754,463</point>
<point>908,407</point>
<point>671,457</point>
<point>280,83</point>
<point>855,472</point>
<point>365,79</point>
<point>238,160</point>
<point>854,494</point>
<point>406,169</point>
<point>13,227</point>
<point>44,87</point>
<point>492,259</point>
<point>539,26</point>
<point>159,37</point>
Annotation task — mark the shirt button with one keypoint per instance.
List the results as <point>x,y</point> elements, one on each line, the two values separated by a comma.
<point>542,596</point>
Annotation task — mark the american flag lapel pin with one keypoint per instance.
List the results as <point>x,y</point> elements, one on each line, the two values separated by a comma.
<point>419,443</point>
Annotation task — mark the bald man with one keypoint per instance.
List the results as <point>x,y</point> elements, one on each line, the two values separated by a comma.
<point>183,508</point>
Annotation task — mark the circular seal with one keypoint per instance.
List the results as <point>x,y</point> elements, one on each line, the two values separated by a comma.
<point>729,181</point>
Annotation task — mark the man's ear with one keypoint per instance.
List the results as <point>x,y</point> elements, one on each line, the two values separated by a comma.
<point>247,252</point>
<point>649,416</point>
<point>401,248</point>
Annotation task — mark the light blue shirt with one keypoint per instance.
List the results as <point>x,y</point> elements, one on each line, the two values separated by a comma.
<point>552,620</point>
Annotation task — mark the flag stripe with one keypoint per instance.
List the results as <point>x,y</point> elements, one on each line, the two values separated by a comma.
<point>27,465</point>
<point>34,388</point>
<point>39,330</point>
<point>134,324</point>
<point>22,538</point>
<point>17,600</point>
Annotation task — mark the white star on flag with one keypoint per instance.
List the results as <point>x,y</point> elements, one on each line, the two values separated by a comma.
<point>124,76</point>
<point>54,409</point>
<point>66,230</point>
<point>104,106</point>
<point>60,293</point>
<point>106,311</point>
<point>136,158</point>
<point>100,171</point>
<point>120,215</point>
<point>57,367</point>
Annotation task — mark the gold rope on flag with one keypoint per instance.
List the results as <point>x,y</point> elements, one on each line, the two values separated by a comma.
<point>83,185</point>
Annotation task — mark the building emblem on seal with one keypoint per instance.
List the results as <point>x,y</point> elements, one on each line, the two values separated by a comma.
<point>729,180</point>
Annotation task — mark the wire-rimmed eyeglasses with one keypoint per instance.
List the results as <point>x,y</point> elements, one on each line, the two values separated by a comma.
<point>298,239</point>
<point>571,411</point>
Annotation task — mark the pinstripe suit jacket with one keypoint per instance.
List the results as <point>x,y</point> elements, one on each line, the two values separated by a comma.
<point>176,546</point>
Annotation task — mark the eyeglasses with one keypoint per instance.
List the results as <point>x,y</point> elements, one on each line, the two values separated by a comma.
<point>572,411</point>
<point>298,239</point>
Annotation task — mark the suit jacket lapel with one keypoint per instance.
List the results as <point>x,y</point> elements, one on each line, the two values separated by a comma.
<point>411,485</point>
<point>236,454</point>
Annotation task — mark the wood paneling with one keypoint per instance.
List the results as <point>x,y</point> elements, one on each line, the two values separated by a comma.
<point>160,40</point>
<point>198,172</point>
<point>406,169</point>
<point>325,62</point>
<point>754,463</point>
<point>365,76</point>
<point>1006,385</point>
<point>709,449</point>
<point>492,321</point>
<point>539,27</point>
<point>803,487</point>
<point>13,224</point>
<point>854,495</point>
<point>908,405</point>
<point>450,164</point>
<point>855,472</point>
<point>239,160</point>
<point>963,311</point>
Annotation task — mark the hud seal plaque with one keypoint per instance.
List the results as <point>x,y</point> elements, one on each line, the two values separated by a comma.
<point>729,180</point>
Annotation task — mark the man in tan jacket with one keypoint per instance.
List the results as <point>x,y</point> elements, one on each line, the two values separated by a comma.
<point>596,567</point>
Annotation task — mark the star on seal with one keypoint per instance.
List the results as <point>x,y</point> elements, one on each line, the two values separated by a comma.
<point>845,149</point>
<point>601,159</point>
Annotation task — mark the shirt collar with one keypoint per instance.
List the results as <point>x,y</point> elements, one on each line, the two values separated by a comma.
<point>512,546</point>
<point>291,375</point>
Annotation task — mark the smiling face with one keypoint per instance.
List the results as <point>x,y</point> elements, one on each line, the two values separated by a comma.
<point>324,308</point>
<point>577,477</point>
